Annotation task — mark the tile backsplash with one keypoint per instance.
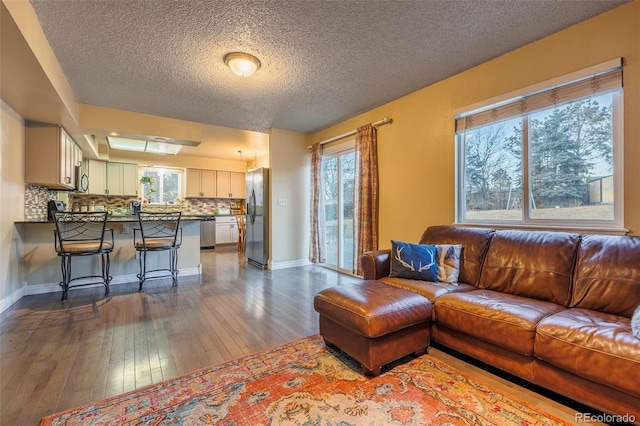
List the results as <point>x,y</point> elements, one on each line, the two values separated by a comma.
<point>36,199</point>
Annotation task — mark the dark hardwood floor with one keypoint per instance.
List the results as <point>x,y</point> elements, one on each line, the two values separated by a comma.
<point>56,356</point>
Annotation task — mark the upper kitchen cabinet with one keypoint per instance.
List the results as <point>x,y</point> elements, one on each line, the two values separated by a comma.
<point>108,178</point>
<point>130,183</point>
<point>122,179</point>
<point>97,172</point>
<point>201,183</point>
<point>77,159</point>
<point>51,156</point>
<point>230,185</point>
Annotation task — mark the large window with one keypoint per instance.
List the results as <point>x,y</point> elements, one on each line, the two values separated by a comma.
<point>161,185</point>
<point>550,158</point>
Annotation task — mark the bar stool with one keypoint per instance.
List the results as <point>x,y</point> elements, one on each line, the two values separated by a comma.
<point>158,232</point>
<point>82,234</point>
<point>242,233</point>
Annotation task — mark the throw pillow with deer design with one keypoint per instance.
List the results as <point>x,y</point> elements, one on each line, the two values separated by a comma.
<point>427,262</point>
<point>415,261</point>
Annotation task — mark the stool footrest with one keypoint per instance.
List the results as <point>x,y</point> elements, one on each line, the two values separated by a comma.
<point>372,354</point>
<point>373,322</point>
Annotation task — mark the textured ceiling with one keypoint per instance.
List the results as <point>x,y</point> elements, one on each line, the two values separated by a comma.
<point>322,61</point>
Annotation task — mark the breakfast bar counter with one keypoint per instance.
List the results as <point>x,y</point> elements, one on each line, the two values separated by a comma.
<point>41,265</point>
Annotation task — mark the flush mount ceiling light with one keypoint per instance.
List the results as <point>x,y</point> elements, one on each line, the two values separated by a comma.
<point>242,64</point>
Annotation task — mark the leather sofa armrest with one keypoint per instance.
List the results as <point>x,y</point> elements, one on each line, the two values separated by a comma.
<point>376,264</point>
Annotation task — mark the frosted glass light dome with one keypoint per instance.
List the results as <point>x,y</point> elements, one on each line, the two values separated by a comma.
<point>242,64</point>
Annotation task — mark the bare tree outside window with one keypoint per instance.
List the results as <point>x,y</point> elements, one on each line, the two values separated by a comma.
<point>569,153</point>
<point>491,170</point>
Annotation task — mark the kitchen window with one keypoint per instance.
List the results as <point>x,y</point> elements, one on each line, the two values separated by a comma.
<point>161,185</point>
<point>550,158</point>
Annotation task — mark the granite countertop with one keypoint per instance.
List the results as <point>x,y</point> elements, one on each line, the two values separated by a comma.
<point>133,218</point>
<point>124,218</point>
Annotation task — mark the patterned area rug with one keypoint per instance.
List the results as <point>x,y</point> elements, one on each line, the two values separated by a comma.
<point>305,383</point>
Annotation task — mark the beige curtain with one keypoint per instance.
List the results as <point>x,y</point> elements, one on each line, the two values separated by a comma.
<point>317,245</point>
<point>366,211</point>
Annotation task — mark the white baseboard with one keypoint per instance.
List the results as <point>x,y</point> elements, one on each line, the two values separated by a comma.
<point>289,264</point>
<point>12,298</point>
<point>29,290</point>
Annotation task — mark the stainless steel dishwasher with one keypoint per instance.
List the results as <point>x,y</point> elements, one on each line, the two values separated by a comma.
<point>207,232</point>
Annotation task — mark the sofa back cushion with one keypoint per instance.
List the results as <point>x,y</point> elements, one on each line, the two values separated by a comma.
<point>474,241</point>
<point>535,264</point>
<point>607,276</point>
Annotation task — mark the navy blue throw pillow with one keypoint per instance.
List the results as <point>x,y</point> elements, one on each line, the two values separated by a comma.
<point>415,261</point>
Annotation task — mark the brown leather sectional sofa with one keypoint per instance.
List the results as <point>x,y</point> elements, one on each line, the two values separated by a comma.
<point>553,308</point>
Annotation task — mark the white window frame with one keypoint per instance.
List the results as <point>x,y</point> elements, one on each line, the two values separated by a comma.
<point>614,226</point>
<point>331,151</point>
<point>161,169</point>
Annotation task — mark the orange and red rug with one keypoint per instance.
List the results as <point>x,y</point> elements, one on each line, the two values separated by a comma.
<point>305,383</point>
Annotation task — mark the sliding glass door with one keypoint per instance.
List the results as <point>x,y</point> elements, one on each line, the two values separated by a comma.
<point>338,183</point>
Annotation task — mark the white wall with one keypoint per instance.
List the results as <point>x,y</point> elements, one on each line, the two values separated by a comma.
<point>290,165</point>
<point>12,140</point>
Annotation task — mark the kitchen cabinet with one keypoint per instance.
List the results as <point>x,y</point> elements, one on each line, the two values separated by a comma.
<point>51,156</point>
<point>122,179</point>
<point>230,184</point>
<point>194,179</point>
<point>130,181</point>
<point>201,183</point>
<point>97,172</point>
<point>77,159</point>
<point>109,178</point>
<point>114,179</point>
<point>226,230</point>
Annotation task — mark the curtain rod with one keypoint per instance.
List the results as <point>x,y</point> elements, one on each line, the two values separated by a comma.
<point>375,124</point>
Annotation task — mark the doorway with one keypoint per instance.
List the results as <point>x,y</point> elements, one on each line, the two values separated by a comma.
<point>338,184</point>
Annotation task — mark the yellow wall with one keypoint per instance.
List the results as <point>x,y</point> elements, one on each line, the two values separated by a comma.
<point>416,152</point>
<point>11,204</point>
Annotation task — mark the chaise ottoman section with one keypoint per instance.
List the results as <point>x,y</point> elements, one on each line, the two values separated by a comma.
<point>373,322</point>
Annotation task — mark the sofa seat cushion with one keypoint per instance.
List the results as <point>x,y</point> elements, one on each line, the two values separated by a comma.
<point>428,289</point>
<point>506,320</point>
<point>593,345</point>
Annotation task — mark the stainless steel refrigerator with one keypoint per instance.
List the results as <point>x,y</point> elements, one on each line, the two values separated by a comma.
<point>257,249</point>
